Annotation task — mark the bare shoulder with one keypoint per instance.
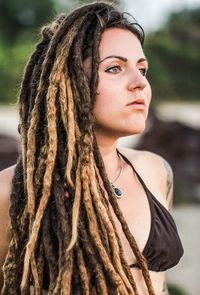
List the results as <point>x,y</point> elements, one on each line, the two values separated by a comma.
<point>155,171</point>
<point>6,177</point>
<point>7,174</point>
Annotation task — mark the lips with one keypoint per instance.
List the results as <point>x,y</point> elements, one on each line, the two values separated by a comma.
<point>137,105</point>
<point>139,101</point>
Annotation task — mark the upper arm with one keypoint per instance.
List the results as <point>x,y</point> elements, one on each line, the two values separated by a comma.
<point>163,176</point>
<point>156,173</point>
<point>5,190</point>
<point>161,179</point>
<point>169,183</point>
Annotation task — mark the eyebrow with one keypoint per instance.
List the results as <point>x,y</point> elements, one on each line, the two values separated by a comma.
<point>122,58</point>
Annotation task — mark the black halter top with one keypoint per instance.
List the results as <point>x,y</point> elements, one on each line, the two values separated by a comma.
<point>163,249</point>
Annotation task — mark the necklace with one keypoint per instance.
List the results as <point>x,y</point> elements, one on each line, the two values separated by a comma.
<point>118,192</point>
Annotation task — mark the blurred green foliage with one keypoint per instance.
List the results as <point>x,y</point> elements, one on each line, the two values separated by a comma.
<point>12,62</point>
<point>88,1</point>
<point>174,57</point>
<point>19,23</point>
<point>17,17</point>
<point>68,5</point>
<point>173,51</point>
<point>176,290</point>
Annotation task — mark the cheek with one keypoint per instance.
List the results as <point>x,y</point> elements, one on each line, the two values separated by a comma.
<point>105,98</point>
<point>103,104</point>
<point>107,105</point>
<point>148,93</point>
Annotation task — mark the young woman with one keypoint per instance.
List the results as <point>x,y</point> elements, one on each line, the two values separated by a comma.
<point>85,216</point>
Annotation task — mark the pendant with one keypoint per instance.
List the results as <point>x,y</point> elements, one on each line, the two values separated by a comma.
<point>117,191</point>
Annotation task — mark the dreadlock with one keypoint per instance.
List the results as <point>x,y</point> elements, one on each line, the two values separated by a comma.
<point>66,245</point>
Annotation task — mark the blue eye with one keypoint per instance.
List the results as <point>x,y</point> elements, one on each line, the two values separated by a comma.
<point>143,71</point>
<point>114,70</point>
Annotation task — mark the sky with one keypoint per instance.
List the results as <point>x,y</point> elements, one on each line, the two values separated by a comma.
<point>152,14</point>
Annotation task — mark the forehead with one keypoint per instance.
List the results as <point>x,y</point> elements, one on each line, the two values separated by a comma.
<point>118,41</point>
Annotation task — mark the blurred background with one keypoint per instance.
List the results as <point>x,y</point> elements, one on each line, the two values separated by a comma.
<point>172,47</point>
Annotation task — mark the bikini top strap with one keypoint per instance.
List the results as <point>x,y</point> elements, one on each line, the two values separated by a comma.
<point>139,177</point>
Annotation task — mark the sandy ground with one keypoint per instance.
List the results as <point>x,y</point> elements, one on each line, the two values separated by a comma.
<point>186,273</point>
<point>9,120</point>
<point>187,113</point>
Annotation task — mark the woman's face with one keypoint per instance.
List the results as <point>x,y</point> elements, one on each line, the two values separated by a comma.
<point>122,81</point>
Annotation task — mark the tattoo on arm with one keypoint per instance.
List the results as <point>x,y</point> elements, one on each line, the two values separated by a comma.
<point>169,182</point>
<point>169,176</point>
<point>165,289</point>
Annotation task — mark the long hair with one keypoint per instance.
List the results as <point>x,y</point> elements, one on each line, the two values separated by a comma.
<point>66,245</point>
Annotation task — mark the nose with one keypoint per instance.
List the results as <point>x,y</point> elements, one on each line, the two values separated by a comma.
<point>137,81</point>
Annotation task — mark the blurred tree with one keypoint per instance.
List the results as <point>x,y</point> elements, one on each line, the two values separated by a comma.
<point>19,23</point>
<point>22,15</point>
<point>176,290</point>
<point>174,57</point>
<point>185,26</point>
<point>12,61</point>
<point>111,1</point>
<point>66,5</point>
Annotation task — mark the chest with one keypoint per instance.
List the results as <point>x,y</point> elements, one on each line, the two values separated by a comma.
<point>135,208</point>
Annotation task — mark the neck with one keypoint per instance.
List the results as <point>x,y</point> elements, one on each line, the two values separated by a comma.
<point>108,150</point>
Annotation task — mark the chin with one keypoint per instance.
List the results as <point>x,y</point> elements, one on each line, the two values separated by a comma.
<point>136,130</point>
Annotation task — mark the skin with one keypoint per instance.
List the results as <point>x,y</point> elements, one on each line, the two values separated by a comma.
<point>122,79</point>
<point>120,82</point>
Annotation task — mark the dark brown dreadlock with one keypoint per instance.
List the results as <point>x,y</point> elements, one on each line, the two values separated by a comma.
<point>66,245</point>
